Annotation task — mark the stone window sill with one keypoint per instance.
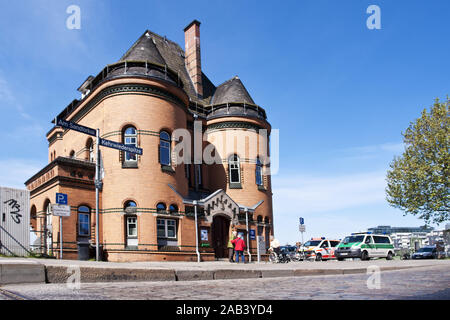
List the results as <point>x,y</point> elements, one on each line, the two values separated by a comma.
<point>235,185</point>
<point>168,169</point>
<point>129,165</point>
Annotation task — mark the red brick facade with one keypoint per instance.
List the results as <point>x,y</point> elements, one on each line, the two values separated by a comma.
<point>144,232</point>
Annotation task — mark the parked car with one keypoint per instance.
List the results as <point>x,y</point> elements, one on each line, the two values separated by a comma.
<point>319,249</point>
<point>365,245</point>
<point>427,252</point>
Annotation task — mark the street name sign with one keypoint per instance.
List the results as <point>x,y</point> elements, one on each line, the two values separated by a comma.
<point>120,146</point>
<point>77,127</point>
<point>61,210</point>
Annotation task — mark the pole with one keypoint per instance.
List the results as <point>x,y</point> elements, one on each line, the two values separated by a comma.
<point>248,242</point>
<point>60,238</point>
<point>97,181</point>
<point>196,231</point>
<point>258,249</point>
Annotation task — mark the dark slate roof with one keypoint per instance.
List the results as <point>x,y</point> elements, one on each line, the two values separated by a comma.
<point>155,48</point>
<point>231,91</point>
<point>144,49</point>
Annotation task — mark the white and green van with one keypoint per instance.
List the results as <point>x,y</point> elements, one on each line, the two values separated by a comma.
<point>365,246</point>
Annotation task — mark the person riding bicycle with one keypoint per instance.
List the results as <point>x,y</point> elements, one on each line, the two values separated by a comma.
<point>275,245</point>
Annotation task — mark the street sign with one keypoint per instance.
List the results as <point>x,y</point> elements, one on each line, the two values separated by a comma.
<point>61,210</point>
<point>302,228</point>
<point>77,127</point>
<point>302,221</point>
<point>120,146</point>
<point>61,198</point>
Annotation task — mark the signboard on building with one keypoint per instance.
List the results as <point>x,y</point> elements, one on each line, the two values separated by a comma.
<point>61,198</point>
<point>61,210</point>
<point>261,245</point>
<point>252,234</point>
<point>14,221</point>
<point>204,235</point>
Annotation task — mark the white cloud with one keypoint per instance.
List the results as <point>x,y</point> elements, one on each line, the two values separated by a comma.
<point>14,172</point>
<point>8,99</point>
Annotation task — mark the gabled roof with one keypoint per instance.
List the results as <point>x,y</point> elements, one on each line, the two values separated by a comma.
<point>232,90</point>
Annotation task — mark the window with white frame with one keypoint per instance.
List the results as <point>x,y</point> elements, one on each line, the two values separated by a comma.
<point>164,148</point>
<point>130,140</point>
<point>167,228</point>
<point>235,169</point>
<point>132,227</point>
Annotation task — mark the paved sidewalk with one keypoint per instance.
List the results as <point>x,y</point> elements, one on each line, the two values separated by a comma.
<point>58,271</point>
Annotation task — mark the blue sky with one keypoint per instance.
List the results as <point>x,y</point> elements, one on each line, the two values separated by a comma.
<point>339,93</point>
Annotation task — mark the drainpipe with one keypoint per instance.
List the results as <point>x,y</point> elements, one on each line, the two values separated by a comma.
<point>196,231</point>
<point>248,242</point>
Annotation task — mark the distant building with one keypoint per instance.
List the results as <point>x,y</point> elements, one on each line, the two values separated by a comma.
<point>390,230</point>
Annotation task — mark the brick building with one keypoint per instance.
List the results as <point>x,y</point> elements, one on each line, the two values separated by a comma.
<point>146,210</point>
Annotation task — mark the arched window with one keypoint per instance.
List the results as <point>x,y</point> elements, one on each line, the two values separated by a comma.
<point>164,148</point>
<point>84,221</point>
<point>160,207</point>
<point>90,150</point>
<point>72,154</point>
<point>130,206</point>
<point>235,169</point>
<point>130,140</point>
<point>173,208</point>
<point>258,172</point>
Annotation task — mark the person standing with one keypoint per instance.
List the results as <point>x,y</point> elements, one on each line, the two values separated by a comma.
<point>239,246</point>
<point>231,246</point>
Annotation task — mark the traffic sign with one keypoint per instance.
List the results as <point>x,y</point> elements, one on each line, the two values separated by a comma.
<point>61,198</point>
<point>302,221</point>
<point>120,146</point>
<point>61,210</point>
<point>302,228</point>
<point>77,127</point>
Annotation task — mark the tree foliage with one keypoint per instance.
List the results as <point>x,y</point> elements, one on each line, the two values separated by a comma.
<point>418,180</point>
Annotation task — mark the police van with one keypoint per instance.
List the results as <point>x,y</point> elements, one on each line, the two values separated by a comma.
<point>365,245</point>
<point>319,249</point>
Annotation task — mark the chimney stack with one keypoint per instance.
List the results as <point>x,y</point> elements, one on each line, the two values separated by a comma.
<point>192,55</point>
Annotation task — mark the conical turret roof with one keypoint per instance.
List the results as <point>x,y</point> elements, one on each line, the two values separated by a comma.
<point>232,90</point>
<point>144,50</point>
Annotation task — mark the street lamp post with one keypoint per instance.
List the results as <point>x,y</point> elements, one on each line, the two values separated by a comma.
<point>196,231</point>
<point>248,241</point>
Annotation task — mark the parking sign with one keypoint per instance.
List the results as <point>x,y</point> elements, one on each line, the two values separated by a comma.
<point>61,198</point>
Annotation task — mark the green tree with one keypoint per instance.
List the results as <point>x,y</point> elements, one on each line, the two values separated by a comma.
<point>418,180</point>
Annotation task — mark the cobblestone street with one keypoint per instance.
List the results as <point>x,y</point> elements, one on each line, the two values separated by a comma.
<point>418,283</point>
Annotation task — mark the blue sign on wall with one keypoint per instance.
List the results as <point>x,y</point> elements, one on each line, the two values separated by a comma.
<point>252,234</point>
<point>61,198</point>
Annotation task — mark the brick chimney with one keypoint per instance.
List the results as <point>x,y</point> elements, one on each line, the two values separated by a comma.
<point>192,55</point>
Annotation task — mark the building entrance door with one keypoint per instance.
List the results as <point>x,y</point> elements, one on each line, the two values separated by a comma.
<point>220,231</point>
